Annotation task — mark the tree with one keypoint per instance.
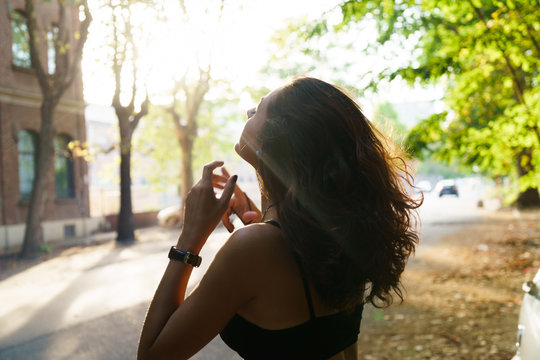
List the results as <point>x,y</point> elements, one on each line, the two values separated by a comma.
<point>186,125</point>
<point>488,53</point>
<point>192,89</point>
<point>157,142</point>
<point>125,51</point>
<point>68,46</point>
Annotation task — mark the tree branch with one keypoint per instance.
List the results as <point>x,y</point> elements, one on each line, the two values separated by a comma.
<point>222,5</point>
<point>533,39</point>
<point>529,29</point>
<point>129,40</point>
<point>196,98</point>
<point>513,74</point>
<point>35,54</point>
<point>143,112</point>
<point>183,7</point>
<point>118,61</point>
<point>178,85</point>
<point>176,117</point>
<point>60,49</point>
<point>82,36</point>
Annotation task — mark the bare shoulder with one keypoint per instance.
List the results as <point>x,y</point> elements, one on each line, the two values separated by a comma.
<point>256,241</point>
<point>253,247</point>
<point>257,235</point>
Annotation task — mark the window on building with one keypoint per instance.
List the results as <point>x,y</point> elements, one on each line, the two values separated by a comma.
<point>52,36</point>
<point>63,166</point>
<point>20,46</point>
<point>27,162</point>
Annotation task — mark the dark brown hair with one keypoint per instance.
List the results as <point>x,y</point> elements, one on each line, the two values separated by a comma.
<point>339,192</point>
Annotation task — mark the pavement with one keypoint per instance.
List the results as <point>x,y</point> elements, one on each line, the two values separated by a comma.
<point>90,303</point>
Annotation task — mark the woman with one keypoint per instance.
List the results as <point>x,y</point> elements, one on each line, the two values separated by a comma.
<point>335,233</point>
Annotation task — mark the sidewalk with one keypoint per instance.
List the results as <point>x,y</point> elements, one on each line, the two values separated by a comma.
<point>89,302</point>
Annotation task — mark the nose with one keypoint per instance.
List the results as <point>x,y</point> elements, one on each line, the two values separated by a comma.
<point>250,112</point>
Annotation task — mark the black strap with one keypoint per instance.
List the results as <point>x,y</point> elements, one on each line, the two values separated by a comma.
<point>272,222</point>
<point>306,287</point>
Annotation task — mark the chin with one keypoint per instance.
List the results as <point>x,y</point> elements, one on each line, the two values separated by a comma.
<point>246,154</point>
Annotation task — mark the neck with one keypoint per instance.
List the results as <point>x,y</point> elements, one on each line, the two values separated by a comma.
<point>268,208</point>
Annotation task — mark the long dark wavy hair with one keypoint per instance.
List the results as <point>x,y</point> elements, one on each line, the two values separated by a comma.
<point>340,193</point>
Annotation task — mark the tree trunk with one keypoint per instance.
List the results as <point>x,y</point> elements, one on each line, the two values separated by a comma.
<point>530,197</point>
<point>33,234</point>
<point>186,175</point>
<point>52,87</point>
<point>126,225</point>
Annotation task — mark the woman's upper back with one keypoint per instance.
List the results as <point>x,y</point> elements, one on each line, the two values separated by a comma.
<point>286,318</point>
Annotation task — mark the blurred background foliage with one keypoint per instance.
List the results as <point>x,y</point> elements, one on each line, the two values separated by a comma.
<point>486,53</point>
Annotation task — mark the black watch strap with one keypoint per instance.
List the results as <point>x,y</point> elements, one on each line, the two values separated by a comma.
<point>184,256</point>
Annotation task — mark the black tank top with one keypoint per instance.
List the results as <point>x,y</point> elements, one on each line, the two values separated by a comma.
<point>318,338</point>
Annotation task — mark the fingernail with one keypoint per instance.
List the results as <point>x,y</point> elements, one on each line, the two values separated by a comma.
<point>234,178</point>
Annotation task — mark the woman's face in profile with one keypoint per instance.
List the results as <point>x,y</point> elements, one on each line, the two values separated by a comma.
<point>248,144</point>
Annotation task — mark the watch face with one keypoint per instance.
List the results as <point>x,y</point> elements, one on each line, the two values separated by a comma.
<point>176,254</point>
<point>185,257</point>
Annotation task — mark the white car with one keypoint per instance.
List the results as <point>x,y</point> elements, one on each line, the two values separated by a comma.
<point>170,215</point>
<point>528,336</point>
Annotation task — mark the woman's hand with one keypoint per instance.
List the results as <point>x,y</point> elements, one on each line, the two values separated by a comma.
<point>239,203</point>
<point>203,210</point>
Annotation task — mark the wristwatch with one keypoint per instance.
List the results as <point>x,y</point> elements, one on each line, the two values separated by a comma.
<point>185,256</point>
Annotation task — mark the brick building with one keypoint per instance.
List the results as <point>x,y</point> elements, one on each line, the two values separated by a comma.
<point>67,210</point>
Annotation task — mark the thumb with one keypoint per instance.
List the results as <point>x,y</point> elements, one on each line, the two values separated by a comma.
<point>228,190</point>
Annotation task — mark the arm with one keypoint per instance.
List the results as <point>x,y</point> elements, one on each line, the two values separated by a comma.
<point>167,299</point>
<point>177,328</point>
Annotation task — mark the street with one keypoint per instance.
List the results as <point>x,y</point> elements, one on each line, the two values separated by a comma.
<point>90,304</point>
<point>444,215</point>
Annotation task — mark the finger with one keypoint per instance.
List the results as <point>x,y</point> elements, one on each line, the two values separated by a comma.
<point>248,217</point>
<point>226,175</point>
<point>237,190</point>
<point>219,178</point>
<point>228,190</point>
<point>218,181</point>
<point>225,172</point>
<point>225,219</point>
<point>209,168</point>
<point>232,204</point>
